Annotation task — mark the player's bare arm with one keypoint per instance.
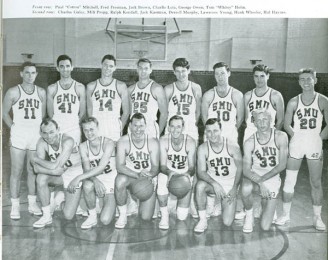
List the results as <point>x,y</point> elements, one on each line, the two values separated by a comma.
<point>191,150</point>
<point>43,97</point>
<point>123,148</point>
<point>247,161</point>
<point>278,103</point>
<point>10,98</point>
<point>282,144</point>
<point>80,90</point>
<point>238,100</point>
<point>168,89</point>
<point>153,146</point>
<point>51,92</point>
<point>291,107</point>
<point>323,104</point>
<point>159,94</point>
<point>247,98</point>
<point>124,94</point>
<point>235,152</point>
<point>90,89</point>
<point>206,101</point>
<point>163,141</point>
<point>198,98</point>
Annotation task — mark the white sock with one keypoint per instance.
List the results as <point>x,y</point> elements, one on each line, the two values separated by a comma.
<point>210,201</point>
<point>164,210</point>
<point>317,210</point>
<point>46,211</point>
<point>202,215</point>
<point>93,212</point>
<point>15,201</point>
<point>31,199</point>
<point>122,210</point>
<point>286,208</point>
<point>249,212</point>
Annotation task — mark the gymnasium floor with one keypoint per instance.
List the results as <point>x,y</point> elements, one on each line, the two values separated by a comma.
<point>143,240</point>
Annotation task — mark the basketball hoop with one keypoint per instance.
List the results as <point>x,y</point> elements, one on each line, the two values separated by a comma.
<point>140,48</point>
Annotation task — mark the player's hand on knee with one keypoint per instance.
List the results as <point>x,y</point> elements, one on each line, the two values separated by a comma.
<point>218,190</point>
<point>231,196</point>
<point>74,184</point>
<point>100,188</point>
<point>265,192</point>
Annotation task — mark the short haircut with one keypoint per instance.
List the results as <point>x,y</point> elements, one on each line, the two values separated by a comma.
<point>212,121</point>
<point>308,70</point>
<point>176,117</point>
<point>46,121</point>
<point>108,57</point>
<point>64,57</point>
<point>261,67</point>
<point>138,116</point>
<point>144,60</point>
<point>220,65</point>
<point>181,62</point>
<point>257,112</point>
<point>89,120</point>
<point>27,64</point>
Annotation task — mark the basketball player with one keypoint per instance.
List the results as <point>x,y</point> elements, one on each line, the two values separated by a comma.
<point>137,156</point>
<point>66,100</point>
<point>262,97</point>
<point>99,173</point>
<point>219,167</point>
<point>224,102</point>
<point>184,98</point>
<point>105,98</point>
<point>64,165</point>
<point>265,156</point>
<point>148,97</point>
<point>28,104</point>
<point>177,156</point>
<point>303,122</point>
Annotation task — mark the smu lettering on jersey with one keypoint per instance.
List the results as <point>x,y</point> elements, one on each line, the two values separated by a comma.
<point>144,102</point>
<point>177,161</point>
<point>225,110</point>
<point>66,105</point>
<point>27,111</point>
<point>260,102</point>
<point>308,118</point>
<point>95,158</point>
<point>138,159</point>
<point>106,101</point>
<point>265,156</point>
<point>221,165</point>
<point>183,103</point>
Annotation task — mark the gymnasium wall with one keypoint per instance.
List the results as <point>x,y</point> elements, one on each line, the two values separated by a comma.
<point>283,44</point>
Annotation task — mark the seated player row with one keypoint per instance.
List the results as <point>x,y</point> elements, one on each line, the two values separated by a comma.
<point>65,101</point>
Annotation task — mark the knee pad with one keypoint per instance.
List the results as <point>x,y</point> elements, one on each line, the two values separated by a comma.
<point>290,181</point>
<point>182,213</point>
<point>161,184</point>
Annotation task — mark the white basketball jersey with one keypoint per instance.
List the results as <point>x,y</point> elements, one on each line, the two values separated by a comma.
<point>225,110</point>
<point>183,103</point>
<point>106,101</point>
<point>308,118</point>
<point>144,102</point>
<point>27,111</point>
<point>265,156</point>
<point>95,159</point>
<point>74,161</point>
<point>177,161</point>
<point>138,159</point>
<point>221,165</point>
<point>66,107</point>
<point>260,102</point>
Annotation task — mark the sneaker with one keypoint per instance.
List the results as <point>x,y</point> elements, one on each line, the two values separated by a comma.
<point>121,222</point>
<point>117,214</point>
<point>248,224</point>
<point>81,212</point>
<point>56,203</point>
<point>258,211</point>
<point>15,212</point>
<point>132,208</point>
<point>156,214</point>
<point>90,222</point>
<point>194,213</point>
<point>282,220</point>
<point>217,210</point>
<point>34,209</point>
<point>42,222</point>
<point>240,215</point>
<point>164,223</point>
<point>318,223</point>
<point>201,226</point>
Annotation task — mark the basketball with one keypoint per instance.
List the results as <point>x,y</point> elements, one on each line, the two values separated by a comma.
<point>142,188</point>
<point>179,185</point>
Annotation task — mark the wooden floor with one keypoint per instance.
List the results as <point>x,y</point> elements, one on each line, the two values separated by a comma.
<point>143,240</point>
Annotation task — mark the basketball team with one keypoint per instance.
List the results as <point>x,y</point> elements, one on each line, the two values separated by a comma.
<point>159,160</point>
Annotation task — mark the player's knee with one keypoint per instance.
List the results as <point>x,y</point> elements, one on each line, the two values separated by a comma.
<point>145,216</point>
<point>120,181</point>
<point>265,225</point>
<point>182,213</point>
<point>88,186</point>
<point>246,188</point>
<point>290,181</point>
<point>200,187</point>
<point>227,221</point>
<point>68,214</point>
<point>42,180</point>
<point>105,220</point>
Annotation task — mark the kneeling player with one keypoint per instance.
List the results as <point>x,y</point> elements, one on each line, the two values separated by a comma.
<point>99,173</point>
<point>137,156</point>
<point>177,157</point>
<point>64,165</point>
<point>265,156</point>
<point>219,167</point>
